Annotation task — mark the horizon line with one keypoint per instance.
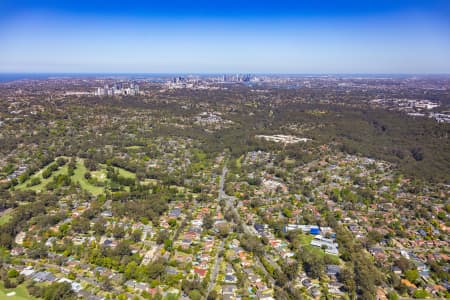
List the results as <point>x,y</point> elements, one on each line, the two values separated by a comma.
<point>219,73</point>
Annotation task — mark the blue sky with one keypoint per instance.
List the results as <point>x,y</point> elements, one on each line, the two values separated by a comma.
<point>384,36</point>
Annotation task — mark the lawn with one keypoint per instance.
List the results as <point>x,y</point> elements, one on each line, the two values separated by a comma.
<point>99,175</point>
<point>44,181</point>
<point>78,176</point>
<point>317,250</point>
<point>180,189</point>
<point>122,172</point>
<point>125,173</point>
<point>289,161</point>
<point>148,181</point>
<point>239,161</point>
<point>134,147</point>
<point>21,293</point>
<point>305,239</point>
<point>6,216</point>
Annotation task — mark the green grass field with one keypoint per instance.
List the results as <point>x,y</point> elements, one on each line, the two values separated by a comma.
<point>21,293</point>
<point>6,216</point>
<point>78,176</point>
<point>125,173</point>
<point>44,181</point>
<point>305,239</point>
<point>134,147</point>
<point>149,182</point>
<point>239,161</point>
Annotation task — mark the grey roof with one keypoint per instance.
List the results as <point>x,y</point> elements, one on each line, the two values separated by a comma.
<point>229,288</point>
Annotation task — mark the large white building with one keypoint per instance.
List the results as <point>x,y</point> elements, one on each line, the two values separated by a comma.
<point>118,90</point>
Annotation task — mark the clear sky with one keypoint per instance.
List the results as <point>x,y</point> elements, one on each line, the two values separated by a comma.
<point>215,36</point>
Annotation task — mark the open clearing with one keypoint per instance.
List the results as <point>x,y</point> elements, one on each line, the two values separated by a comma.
<point>21,293</point>
<point>78,176</point>
<point>5,216</point>
<point>44,181</point>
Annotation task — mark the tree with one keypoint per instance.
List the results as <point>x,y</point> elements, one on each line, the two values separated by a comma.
<point>280,278</point>
<point>366,275</point>
<point>195,295</point>
<point>130,270</point>
<point>412,275</point>
<point>313,262</point>
<point>59,291</point>
<point>417,153</point>
<point>346,276</point>
<point>213,295</point>
<point>208,221</point>
<point>252,243</point>
<point>404,264</point>
<point>172,223</point>
<point>420,294</point>
<point>61,161</point>
<point>168,245</point>
<point>136,236</point>
<point>162,236</point>
<point>99,226</point>
<point>155,269</point>
<point>118,232</point>
<point>290,269</point>
<point>374,237</point>
<point>80,225</point>
<point>13,273</point>
<point>90,164</point>
<point>224,229</point>
<point>122,248</point>
<point>392,295</point>
<point>34,181</point>
<point>9,284</point>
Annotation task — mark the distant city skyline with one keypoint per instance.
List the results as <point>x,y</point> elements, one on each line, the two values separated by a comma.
<point>293,37</point>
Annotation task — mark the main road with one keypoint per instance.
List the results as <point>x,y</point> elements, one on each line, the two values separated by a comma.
<point>229,203</point>
<point>217,259</point>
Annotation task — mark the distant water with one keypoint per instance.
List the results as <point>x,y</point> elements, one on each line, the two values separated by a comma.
<point>4,77</point>
<point>7,77</point>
